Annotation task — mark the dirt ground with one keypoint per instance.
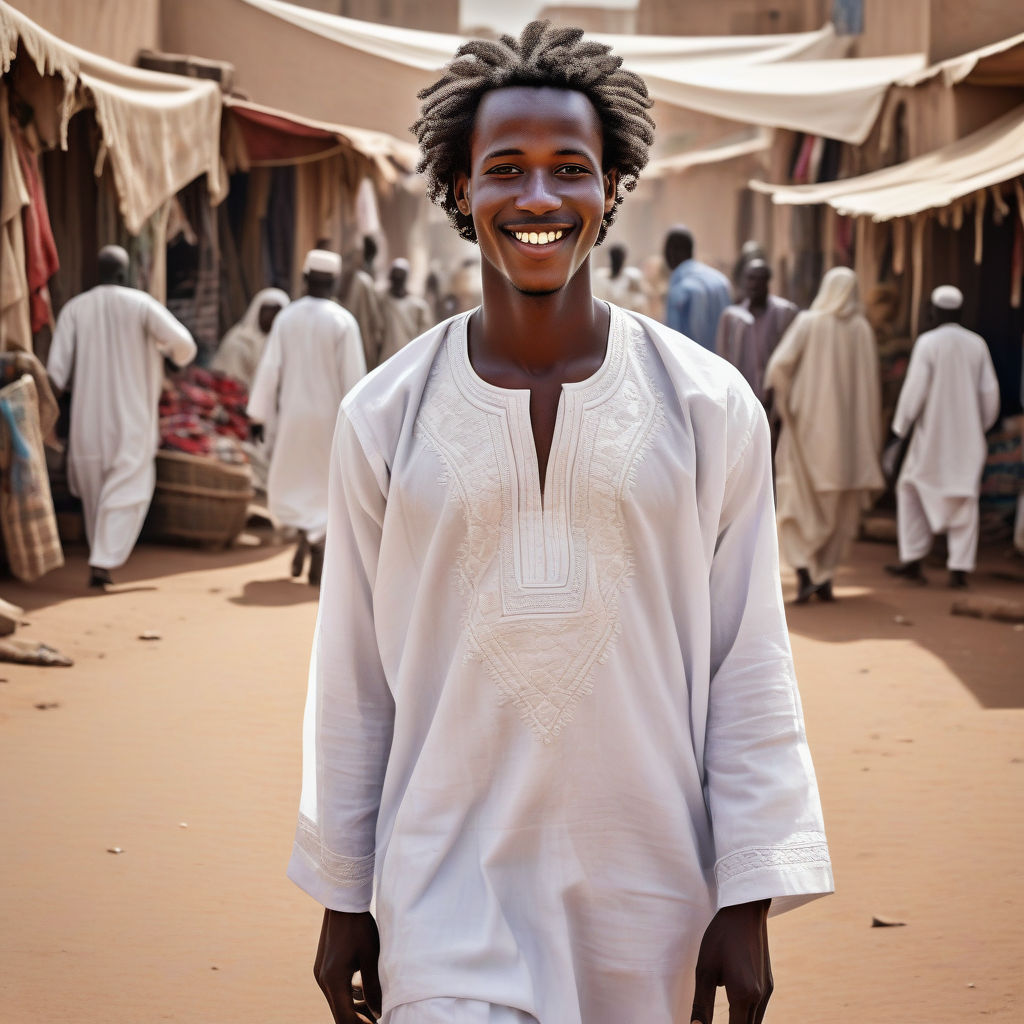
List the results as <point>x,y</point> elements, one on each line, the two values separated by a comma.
<point>183,752</point>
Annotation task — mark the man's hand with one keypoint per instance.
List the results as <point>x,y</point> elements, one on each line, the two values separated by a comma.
<point>734,953</point>
<point>349,943</point>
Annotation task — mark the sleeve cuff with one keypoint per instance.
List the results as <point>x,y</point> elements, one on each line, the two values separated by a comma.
<point>337,882</point>
<point>789,875</point>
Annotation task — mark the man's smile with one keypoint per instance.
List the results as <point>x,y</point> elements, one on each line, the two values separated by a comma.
<point>537,238</point>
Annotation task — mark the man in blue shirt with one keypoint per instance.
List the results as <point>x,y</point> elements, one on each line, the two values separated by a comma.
<point>697,293</point>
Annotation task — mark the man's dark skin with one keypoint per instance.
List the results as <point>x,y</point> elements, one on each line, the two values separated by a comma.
<point>535,165</point>
<point>267,314</point>
<point>369,254</point>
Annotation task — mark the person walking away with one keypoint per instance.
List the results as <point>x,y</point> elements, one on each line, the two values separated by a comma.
<point>406,316</point>
<point>108,350</point>
<point>949,399</point>
<point>749,332</point>
<point>827,392</point>
<point>620,284</point>
<point>551,536</point>
<point>697,294</point>
<point>241,348</point>
<point>313,357</point>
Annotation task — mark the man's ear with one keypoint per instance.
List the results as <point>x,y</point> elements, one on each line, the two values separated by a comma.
<point>460,190</point>
<point>611,186</point>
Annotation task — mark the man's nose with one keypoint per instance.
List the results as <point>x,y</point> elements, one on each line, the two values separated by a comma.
<point>538,195</point>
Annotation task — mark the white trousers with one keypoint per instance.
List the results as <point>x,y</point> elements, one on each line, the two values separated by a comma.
<point>455,1011</point>
<point>957,517</point>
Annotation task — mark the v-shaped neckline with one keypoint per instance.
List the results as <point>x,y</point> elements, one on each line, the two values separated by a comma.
<point>516,402</point>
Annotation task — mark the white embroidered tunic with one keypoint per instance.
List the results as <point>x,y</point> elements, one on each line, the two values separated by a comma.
<point>553,732</point>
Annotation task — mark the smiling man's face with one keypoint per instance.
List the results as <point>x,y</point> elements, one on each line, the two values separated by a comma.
<point>536,189</point>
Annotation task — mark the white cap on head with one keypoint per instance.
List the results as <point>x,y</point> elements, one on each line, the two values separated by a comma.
<point>322,261</point>
<point>947,297</point>
<point>400,264</point>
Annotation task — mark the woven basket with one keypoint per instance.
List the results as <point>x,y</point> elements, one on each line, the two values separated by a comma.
<point>198,499</point>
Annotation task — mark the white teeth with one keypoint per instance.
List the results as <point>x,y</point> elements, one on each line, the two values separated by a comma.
<point>538,237</point>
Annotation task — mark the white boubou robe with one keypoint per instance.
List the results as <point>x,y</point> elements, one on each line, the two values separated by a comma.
<point>553,734</point>
<point>950,397</point>
<point>313,356</point>
<point>108,349</point>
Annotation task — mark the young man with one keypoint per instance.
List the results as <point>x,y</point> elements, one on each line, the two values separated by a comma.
<point>552,723</point>
<point>314,354</point>
<point>950,397</point>
<point>108,349</point>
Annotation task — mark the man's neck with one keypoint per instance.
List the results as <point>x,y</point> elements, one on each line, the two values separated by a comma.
<point>760,307</point>
<point>537,335</point>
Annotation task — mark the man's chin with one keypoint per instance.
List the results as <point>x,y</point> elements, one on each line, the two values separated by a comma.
<point>537,293</point>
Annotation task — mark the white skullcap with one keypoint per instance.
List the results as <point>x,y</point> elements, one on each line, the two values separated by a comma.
<point>400,264</point>
<point>947,297</point>
<point>322,261</point>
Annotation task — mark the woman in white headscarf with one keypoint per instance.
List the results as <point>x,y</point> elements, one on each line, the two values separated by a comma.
<point>241,348</point>
<point>827,393</point>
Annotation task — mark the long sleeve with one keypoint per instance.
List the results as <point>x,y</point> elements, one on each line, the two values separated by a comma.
<point>351,357</point>
<point>760,785</point>
<point>988,392</point>
<point>61,361</point>
<point>913,393</point>
<point>170,335</point>
<point>349,716</point>
<point>262,406</point>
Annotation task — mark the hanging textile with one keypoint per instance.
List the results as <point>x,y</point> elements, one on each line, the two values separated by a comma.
<point>15,324</point>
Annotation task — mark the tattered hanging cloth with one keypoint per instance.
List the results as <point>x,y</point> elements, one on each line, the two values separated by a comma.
<point>27,519</point>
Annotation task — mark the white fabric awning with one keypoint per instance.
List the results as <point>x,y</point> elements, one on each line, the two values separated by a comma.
<point>990,156</point>
<point>353,72</point>
<point>159,131</point>
<point>747,143</point>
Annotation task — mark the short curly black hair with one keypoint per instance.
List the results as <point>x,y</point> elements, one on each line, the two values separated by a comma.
<point>542,56</point>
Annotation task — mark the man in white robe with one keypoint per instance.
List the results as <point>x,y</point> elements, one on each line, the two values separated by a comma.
<point>827,392</point>
<point>749,332</point>
<point>406,316</point>
<point>552,724</point>
<point>949,399</point>
<point>313,357</point>
<point>108,350</point>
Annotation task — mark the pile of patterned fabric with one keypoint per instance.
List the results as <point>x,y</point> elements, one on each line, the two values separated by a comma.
<point>202,412</point>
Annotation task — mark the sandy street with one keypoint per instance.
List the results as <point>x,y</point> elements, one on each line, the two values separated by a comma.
<point>183,751</point>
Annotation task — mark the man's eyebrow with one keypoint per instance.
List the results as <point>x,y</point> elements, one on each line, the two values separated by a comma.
<point>503,152</point>
<point>571,151</point>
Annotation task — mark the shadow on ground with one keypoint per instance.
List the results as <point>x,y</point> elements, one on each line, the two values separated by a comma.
<point>277,593</point>
<point>987,657</point>
<point>148,564</point>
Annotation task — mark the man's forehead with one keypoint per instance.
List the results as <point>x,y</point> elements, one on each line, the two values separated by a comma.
<point>523,112</point>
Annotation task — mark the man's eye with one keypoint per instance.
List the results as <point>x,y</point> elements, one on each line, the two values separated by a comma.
<point>504,169</point>
<point>573,170</point>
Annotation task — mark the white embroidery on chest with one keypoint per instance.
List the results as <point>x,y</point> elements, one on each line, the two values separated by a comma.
<point>542,578</point>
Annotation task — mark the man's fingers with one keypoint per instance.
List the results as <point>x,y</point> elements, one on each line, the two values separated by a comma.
<point>371,982</point>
